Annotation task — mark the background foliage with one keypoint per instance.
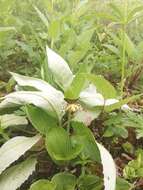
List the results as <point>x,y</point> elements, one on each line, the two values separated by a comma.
<point>104,37</point>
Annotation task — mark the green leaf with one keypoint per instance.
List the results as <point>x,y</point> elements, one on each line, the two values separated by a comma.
<point>69,41</point>
<point>112,49</point>
<point>76,86</point>
<point>103,86</point>
<point>59,145</point>
<point>14,149</point>
<point>15,176</point>
<point>42,17</point>
<point>90,182</point>
<point>133,12</point>
<point>130,47</point>
<point>64,181</point>
<point>85,37</point>
<point>123,184</point>
<point>8,120</point>
<point>128,147</point>
<point>96,152</point>
<point>43,184</point>
<point>107,16</point>
<point>83,135</point>
<point>6,29</point>
<point>54,29</point>
<point>60,69</point>
<point>75,57</point>
<point>40,119</point>
<point>116,131</point>
<point>134,168</point>
<point>117,11</point>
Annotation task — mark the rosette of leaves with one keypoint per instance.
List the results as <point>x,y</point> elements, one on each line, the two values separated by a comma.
<point>60,114</point>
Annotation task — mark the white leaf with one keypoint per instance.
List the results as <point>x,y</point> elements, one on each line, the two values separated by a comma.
<point>60,69</point>
<point>39,84</point>
<point>124,107</point>
<point>109,168</point>
<point>6,104</point>
<point>47,101</point>
<point>90,97</point>
<point>86,116</point>
<point>15,176</point>
<point>12,120</point>
<point>110,102</point>
<point>14,149</point>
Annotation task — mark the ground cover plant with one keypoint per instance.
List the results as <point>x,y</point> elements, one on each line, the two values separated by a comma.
<point>71,95</point>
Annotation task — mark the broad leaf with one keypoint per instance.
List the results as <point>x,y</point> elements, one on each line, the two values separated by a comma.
<point>49,102</point>
<point>64,181</point>
<point>76,86</point>
<point>15,176</point>
<point>14,149</point>
<point>97,152</point>
<point>59,145</point>
<point>60,69</point>
<point>123,184</point>
<point>90,182</point>
<point>75,57</point>
<point>43,184</point>
<point>117,131</point>
<point>85,37</point>
<point>91,98</point>
<point>86,116</point>
<point>103,86</point>
<point>36,83</point>
<point>83,135</point>
<point>40,119</point>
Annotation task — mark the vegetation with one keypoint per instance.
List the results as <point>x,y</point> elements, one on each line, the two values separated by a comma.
<point>71,108</point>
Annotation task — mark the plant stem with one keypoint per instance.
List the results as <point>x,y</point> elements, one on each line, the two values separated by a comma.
<point>123,62</point>
<point>83,170</point>
<point>68,123</point>
<point>52,40</point>
<point>52,43</point>
<point>52,5</point>
<point>124,48</point>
